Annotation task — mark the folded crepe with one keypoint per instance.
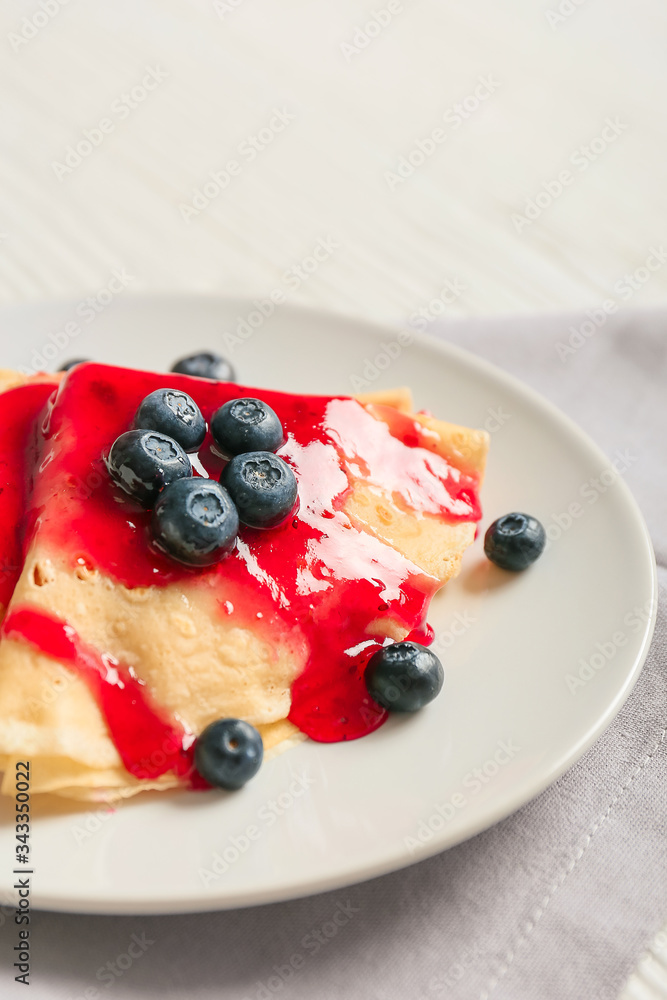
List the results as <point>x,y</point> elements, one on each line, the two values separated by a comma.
<point>113,658</point>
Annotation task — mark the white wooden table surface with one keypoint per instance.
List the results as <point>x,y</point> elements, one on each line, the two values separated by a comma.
<point>395,160</point>
<point>359,104</point>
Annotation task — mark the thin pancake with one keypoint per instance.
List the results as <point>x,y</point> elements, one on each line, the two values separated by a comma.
<point>195,664</point>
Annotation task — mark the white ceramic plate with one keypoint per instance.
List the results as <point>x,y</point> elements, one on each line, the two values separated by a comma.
<point>508,721</point>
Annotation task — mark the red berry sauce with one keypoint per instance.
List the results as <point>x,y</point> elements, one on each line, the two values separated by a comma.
<point>20,409</point>
<point>316,579</point>
<point>148,744</point>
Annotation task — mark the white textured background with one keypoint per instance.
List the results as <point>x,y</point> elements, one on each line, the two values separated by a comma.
<point>443,239</point>
<point>325,174</point>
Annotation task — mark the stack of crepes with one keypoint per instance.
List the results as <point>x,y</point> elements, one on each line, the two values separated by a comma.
<point>276,634</point>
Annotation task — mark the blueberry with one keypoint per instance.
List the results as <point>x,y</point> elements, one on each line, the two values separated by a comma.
<point>262,486</point>
<point>246,425</point>
<point>206,365</point>
<point>174,413</point>
<point>72,364</point>
<point>144,462</point>
<point>195,521</point>
<point>515,541</point>
<point>404,677</point>
<point>228,753</point>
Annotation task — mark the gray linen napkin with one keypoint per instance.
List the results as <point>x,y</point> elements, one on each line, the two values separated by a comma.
<point>554,903</point>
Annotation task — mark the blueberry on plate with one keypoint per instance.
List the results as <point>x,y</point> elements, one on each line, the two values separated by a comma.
<point>144,462</point>
<point>515,541</point>
<point>262,486</point>
<point>195,521</point>
<point>229,753</point>
<point>206,365</point>
<point>172,412</point>
<point>246,425</point>
<point>404,677</point>
<point>72,364</point>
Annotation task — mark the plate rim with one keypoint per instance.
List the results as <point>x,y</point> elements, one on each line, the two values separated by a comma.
<point>393,860</point>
